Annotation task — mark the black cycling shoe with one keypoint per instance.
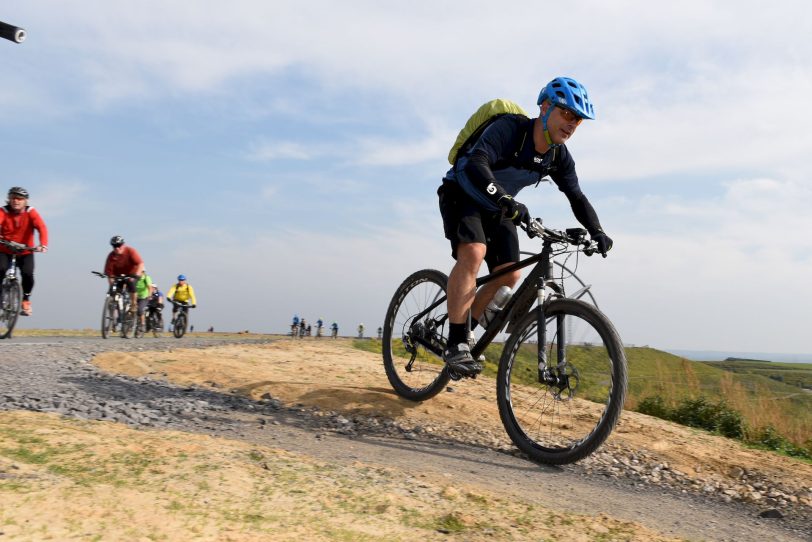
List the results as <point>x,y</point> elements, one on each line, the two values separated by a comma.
<point>460,363</point>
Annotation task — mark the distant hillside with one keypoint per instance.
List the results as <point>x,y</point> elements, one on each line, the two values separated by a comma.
<point>764,393</point>
<point>794,374</point>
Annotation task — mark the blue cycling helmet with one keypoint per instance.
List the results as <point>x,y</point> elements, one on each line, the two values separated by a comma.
<point>569,93</point>
<point>181,277</point>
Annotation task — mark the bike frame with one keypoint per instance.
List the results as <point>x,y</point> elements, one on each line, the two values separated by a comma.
<point>11,272</point>
<point>539,286</point>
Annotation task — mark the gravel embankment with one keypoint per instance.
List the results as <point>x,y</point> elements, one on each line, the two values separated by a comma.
<point>56,375</point>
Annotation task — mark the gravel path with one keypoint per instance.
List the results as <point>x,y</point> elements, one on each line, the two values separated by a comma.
<point>54,375</point>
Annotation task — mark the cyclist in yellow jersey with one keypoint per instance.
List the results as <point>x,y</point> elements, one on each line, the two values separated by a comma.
<point>182,292</point>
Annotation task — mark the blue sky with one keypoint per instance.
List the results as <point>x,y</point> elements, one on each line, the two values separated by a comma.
<point>285,156</point>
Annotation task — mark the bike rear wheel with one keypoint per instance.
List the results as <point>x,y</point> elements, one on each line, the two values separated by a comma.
<point>11,297</point>
<point>572,412</point>
<point>180,325</point>
<point>411,348</point>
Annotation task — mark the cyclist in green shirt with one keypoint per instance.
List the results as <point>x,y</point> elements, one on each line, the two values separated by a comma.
<point>143,291</point>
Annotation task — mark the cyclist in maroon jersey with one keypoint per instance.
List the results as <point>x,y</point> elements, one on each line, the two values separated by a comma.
<point>124,260</point>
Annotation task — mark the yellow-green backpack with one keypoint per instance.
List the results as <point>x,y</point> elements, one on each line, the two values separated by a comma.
<point>481,119</point>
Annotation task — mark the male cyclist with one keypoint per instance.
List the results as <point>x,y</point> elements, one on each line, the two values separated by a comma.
<point>182,292</point>
<point>17,223</point>
<point>480,215</point>
<point>124,260</point>
<point>143,291</point>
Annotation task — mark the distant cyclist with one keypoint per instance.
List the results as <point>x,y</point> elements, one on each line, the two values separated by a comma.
<point>124,260</point>
<point>143,291</point>
<point>294,327</point>
<point>182,292</point>
<point>17,223</point>
<point>319,325</point>
<point>334,330</point>
<point>361,330</point>
<point>156,304</point>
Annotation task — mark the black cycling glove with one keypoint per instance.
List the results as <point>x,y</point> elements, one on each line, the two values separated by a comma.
<point>515,211</point>
<point>604,242</point>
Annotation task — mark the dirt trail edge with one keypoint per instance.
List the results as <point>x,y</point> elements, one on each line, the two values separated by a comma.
<point>322,413</point>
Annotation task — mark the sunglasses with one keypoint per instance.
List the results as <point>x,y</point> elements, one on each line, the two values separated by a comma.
<point>569,115</point>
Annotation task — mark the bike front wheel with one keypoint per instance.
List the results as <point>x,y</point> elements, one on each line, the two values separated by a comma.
<point>413,342</point>
<point>180,326</point>
<point>109,317</point>
<point>154,324</point>
<point>11,296</point>
<point>559,405</point>
<point>128,321</point>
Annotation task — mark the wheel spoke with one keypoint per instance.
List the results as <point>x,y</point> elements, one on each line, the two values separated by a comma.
<point>413,336</point>
<point>572,411</point>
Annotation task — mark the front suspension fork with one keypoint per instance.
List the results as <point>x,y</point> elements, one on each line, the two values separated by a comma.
<point>546,374</point>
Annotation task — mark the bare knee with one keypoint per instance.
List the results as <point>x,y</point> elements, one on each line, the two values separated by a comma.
<point>470,256</point>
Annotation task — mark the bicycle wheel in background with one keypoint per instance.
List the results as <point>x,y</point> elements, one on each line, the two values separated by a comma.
<point>11,298</point>
<point>415,371</point>
<point>180,325</point>
<point>570,415</point>
<point>109,317</point>
<point>154,324</point>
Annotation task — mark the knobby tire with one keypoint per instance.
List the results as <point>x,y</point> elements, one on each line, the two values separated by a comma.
<point>428,375</point>
<point>180,325</point>
<point>560,425</point>
<point>12,297</point>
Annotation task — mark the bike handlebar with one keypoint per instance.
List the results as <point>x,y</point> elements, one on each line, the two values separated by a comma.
<point>17,247</point>
<point>114,277</point>
<point>181,304</point>
<point>571,236</point>
<point>11,32</point>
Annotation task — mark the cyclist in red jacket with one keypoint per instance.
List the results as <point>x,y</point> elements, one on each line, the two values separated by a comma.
<point>124,260</point>
<point>17,223</point>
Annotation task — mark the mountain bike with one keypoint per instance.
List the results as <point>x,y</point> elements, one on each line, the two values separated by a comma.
<point>116,314</point>
<point>11,290</point>
<point>153,322</point>
<point>561,378</point>
<point>180,321</point>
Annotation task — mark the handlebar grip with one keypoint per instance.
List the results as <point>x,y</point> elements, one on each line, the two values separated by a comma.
<point>12,33</point>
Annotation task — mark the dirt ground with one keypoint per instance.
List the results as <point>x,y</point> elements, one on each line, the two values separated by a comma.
<point>337,377</point>
<point>69,479</point>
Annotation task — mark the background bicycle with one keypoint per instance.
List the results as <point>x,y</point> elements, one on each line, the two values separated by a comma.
<point>561,377</point>
<point>11,290</point>
<point>153,322</point>
<point>116,314</point>
<point>180,321</point>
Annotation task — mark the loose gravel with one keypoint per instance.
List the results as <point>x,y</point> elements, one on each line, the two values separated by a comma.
<point>56,375</point>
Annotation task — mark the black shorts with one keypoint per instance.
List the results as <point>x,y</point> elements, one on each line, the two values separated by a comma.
<point>465,221</point>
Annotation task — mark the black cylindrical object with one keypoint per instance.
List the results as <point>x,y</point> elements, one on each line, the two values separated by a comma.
<point>11,32</point>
